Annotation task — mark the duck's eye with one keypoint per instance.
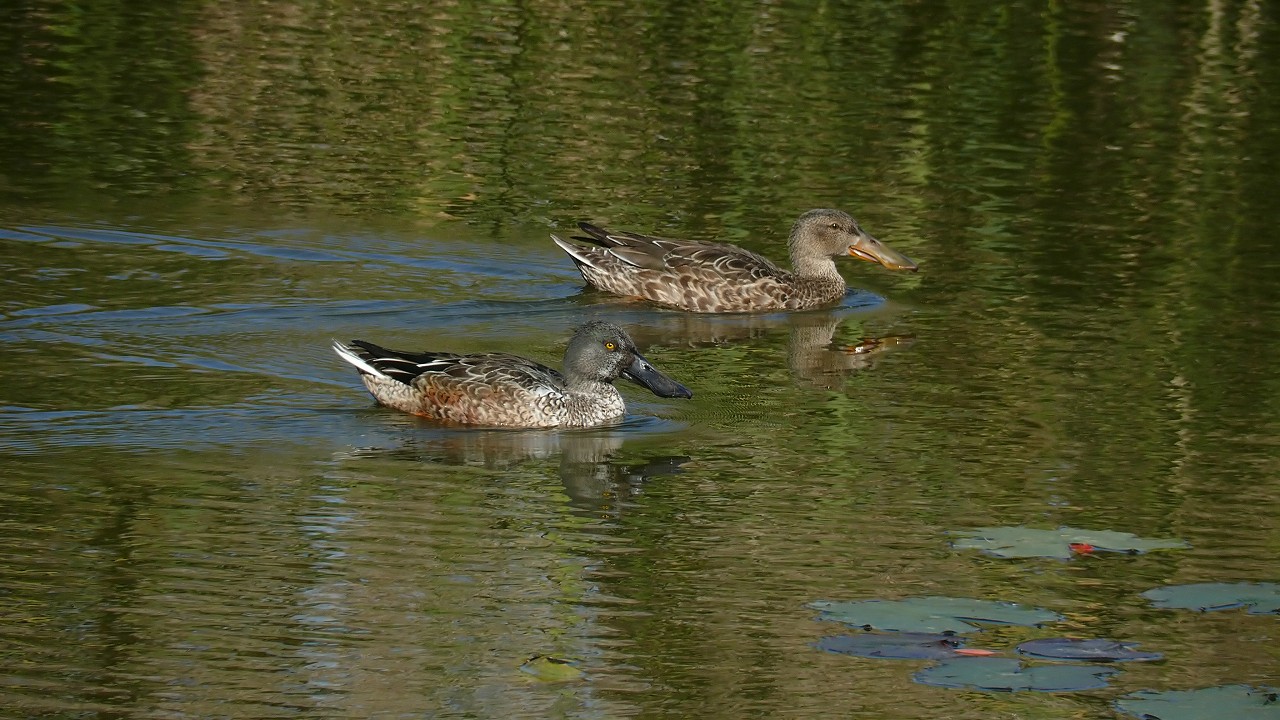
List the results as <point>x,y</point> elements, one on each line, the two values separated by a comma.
<point>835,226</point>
<point>608,345</point>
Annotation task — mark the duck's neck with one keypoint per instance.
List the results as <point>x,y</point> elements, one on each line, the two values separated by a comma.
<point>812,266</point>
<point>589,396</point>
<point>586,385</point>
<point>819,268</point>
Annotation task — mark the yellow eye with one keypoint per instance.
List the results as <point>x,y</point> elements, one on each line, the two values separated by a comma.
<point>608,345</point>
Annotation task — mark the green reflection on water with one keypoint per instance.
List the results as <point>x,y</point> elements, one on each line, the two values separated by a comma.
<point>205,502</point>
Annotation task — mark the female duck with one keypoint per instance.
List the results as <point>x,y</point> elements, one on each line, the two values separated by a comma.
<point>498,389</point>
<point>715,277</point>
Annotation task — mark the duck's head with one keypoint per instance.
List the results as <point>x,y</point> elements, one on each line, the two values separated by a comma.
<point>603,351</point>
<point>834,233</point>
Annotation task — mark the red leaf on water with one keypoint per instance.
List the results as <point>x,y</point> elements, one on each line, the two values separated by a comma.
<point>977,652</point>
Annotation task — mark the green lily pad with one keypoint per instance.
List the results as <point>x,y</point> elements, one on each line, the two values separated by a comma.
<point>1024,542</point>
<point>1009,675</point>
<point>930,614</point>
<point>896,645</point>
<point>1238,702</point>
<point>1260,598</point>
<point>550,669</point>
<point>1094,649</point>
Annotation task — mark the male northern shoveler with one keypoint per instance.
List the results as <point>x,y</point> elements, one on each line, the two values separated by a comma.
<point>717,277</point>
<point>498,389</point>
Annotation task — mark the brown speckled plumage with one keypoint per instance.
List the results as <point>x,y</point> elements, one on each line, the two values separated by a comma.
<point>502,390</point>
<point>717,277</point>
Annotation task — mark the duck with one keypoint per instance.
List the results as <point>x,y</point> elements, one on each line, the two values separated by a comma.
<point>498,389</point>
<point>708,277</point>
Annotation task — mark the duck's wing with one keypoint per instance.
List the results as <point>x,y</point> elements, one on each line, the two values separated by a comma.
<point>480,373</point>
<point>729,263</point>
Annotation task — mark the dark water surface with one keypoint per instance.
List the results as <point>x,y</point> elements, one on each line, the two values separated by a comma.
<point>205,516</point>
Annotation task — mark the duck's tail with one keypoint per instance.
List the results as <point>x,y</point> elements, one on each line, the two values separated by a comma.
<point>574,252</point>
<point>353,356</point>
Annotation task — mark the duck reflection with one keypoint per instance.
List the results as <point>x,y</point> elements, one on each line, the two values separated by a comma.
<point>816,359</point>
<point>593,478</point>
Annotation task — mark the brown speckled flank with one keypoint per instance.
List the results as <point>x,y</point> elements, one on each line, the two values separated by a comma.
<point>501,390</point>
<point>721,278</point>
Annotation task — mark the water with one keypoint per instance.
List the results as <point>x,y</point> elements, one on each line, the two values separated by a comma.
<point>205,516</point>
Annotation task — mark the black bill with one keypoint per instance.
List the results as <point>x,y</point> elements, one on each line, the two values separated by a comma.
<point>642,373</point>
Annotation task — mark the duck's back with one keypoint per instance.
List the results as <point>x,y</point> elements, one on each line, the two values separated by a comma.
<point>700,277</point>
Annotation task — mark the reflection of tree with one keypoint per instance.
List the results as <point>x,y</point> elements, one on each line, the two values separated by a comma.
<point>1090,185</point>
<point>95,95</point>
<point>1095,232</point>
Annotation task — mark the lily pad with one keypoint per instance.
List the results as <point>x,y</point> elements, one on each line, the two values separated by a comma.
<point>930,614</point>
<point>898,646</point>
<point>1024,542</point>
<point>1095,649</point>
<point>550,669</point>
<point>1009,675</point>
<point>1238,702</point>
<point>1260,598</point>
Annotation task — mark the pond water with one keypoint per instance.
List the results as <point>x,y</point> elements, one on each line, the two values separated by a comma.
<point>206,516</point>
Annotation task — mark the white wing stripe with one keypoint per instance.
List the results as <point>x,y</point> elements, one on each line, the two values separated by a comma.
<point>347,354</point>
<point>575,252</point>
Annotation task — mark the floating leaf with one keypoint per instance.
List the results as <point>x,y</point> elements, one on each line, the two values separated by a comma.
<point>898,646</point>
<point>1023,542</point>
<point>1095,649</point>
<point>1238,702</point>
<point>1009,675</point>
<point>930,614</point>
<point>1261,598</point>
<point>550,669</point>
